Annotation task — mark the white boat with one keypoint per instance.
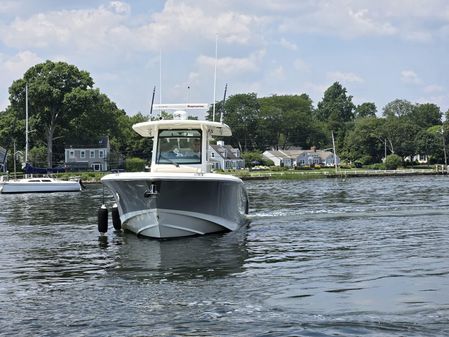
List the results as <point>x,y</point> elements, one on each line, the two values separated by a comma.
<point>31,184</point>
<point>179,196</point>
<point>39,185</point>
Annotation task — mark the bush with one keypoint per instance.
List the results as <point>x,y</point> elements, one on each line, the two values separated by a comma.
<point>377,166</point>
<point>134,164</point>
<point>393,161</point>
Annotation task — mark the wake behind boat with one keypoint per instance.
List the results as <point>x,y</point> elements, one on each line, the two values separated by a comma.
<point>179,196</point>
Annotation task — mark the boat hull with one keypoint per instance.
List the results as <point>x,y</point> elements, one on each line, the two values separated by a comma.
<point>159,206</point>
<point>11,187</point>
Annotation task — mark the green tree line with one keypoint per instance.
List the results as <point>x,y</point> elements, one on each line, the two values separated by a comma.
<point>66,109</point>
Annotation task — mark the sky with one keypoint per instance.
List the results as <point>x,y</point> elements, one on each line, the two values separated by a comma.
<point>190,49</point>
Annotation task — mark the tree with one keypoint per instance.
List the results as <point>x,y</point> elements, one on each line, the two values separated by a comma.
<point>426,115</point>
<point>393,161</point>
<point>430,143</point>
<point>336,110</point>
<point>365,110</point>
<point>241,113</point>
<point>48,84</point>
<point>336,107</point>
<point>400,136</point>
<point>288,120</point>
<point>398,108</point>
<point>92,114</point>
<point>364,142</point>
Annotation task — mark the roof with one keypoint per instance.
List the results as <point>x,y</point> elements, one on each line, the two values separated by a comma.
<point>102,143</point>
<point>150,128</point>
<point>221,150</point>
<point>293,154</point>
<point>322,154</point>
<point>285,153</point>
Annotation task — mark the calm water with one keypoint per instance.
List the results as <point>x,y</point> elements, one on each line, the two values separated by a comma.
<point>361,257</point>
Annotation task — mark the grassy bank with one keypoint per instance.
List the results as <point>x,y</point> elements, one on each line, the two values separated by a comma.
<point>94,177</point>
<point>330,173</point>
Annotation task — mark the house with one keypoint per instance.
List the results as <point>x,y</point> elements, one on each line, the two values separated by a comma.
<point>419,158</point>
<point>317,157</point>
<point>225,157</point>
<point>88,157</point>
<point>283,158</point>
<point>292,158</point>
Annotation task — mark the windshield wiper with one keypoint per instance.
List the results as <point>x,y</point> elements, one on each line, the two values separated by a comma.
<point>169,160</point>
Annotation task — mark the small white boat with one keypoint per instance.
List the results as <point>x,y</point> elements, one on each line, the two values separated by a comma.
<point>31,184</point>
<point>179,196</point>
<point>39,185</point>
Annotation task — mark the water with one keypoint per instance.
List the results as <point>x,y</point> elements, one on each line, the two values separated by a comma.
<point>361,257</point>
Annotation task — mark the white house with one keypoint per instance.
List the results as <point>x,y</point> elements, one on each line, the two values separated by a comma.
<point>89,157</point>
<point>419,158</point>
<point>280,158</point>
<point>225,157</point>
<point>291,158</point>
<point>317,157</point>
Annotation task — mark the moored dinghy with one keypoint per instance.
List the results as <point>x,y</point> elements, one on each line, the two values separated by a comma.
<point>179,196</point>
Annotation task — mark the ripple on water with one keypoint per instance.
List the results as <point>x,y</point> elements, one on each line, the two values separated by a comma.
<point>320,258</point>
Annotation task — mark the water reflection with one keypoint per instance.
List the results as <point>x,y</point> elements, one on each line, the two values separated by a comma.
<point>210,256</point>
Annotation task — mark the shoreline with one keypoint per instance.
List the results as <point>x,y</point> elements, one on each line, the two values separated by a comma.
<point>88,179</point>
<point>295,175</point>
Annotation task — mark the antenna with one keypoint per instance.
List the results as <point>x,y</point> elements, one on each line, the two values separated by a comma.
<point>160,77</point>
<point>152,101</point>
<point>222,106</point>
<point>215,76</point>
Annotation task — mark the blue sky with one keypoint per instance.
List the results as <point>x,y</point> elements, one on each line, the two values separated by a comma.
<point>378,50</point>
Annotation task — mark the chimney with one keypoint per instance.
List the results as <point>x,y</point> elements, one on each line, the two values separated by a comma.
<point>220,142</point>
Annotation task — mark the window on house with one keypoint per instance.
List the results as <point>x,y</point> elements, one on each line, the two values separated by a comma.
<point>101,154</point>
<point>71,154</point>
<point>82,154</point>
<point>92,153</point>
<point>212,155</point>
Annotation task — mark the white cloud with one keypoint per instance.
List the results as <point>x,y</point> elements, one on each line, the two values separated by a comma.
<point>66,29</point>
<point>277,73</point>
<point>120,7</point>
<point>288,45</point>
<point>13,68</point>
<point>228,65</point>
<point>439,100</point>
<point>9,7</point>
<point>344,77</point>
<point>410,77</point>
<point>182,25</point>
<point>433,88</point>
<point>347,20</point>
<point>300,65</point>
<point>16,66</point>
<point>412,20</point>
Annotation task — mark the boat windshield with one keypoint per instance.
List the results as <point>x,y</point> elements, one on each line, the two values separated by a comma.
<point>179,147</point>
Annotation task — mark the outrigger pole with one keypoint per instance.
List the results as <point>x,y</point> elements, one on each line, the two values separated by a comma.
<point>152,101</point>
<point>222,106</point>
